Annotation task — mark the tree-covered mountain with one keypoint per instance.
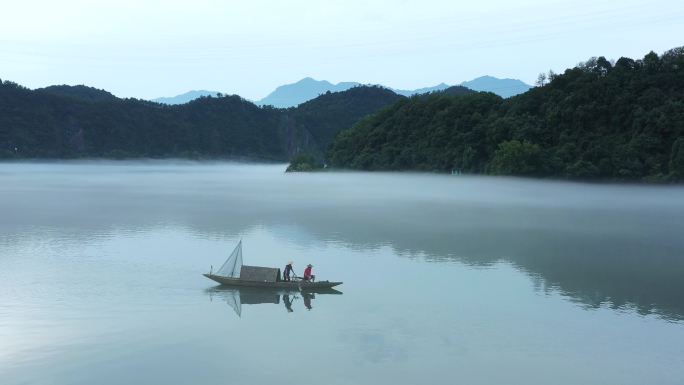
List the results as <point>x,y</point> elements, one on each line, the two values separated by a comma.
<point>325,116</point>
<point>597,120</point>
<point>80,92</point>
<point>455,91</point>
<point>69,122</point>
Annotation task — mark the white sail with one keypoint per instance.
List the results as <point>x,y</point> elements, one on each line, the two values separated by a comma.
<point>231,267</point>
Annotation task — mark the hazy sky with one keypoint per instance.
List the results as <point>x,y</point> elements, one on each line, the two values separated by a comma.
<point>146,49</point>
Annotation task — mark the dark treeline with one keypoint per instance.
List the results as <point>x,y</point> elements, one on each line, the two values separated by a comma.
<point>79,121</point>
<point>621,121</point>
<point>322,118</point>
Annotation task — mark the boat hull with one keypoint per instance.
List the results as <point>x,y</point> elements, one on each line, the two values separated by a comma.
<point>291,285</point>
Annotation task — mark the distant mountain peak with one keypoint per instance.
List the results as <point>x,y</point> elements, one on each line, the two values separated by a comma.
<point>502,87</point>
<point>439,87</point>
<point>185,97</point>
<point>307,88</point>
<point>294,94</point>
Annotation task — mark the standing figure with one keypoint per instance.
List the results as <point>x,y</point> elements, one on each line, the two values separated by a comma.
<point>287,272</point>
<point>307,274</point>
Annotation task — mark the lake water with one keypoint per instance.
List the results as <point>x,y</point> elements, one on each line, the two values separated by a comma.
<point>447,279</point>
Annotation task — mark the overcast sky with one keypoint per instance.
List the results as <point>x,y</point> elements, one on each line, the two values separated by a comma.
<point>146,49</point>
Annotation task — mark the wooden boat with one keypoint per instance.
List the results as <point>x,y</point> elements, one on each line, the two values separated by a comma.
<point>300,285</point>
<point>234,273</point>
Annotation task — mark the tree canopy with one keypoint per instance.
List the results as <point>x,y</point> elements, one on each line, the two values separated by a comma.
<point>622,121</point>
<point>79,121</point>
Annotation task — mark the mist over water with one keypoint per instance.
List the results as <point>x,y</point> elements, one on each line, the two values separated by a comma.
<point>469,279</point>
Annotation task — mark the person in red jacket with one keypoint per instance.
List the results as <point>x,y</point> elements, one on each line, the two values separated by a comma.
<point>307,273</point>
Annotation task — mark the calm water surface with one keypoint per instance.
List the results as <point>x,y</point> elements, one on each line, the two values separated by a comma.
<point>446,279</point>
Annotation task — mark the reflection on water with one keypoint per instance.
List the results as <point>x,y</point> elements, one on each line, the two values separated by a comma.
<point>442,275</point>
<point>236,297</point>
<point>618,244</point>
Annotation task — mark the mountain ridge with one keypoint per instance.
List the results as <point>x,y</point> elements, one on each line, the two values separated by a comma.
<point>294,94</point>
<point>185,97</point>
<point>65,122</point>
<point>505,87</point>
<point>308,88</point>
<point>596,121</point>
<point>81,92</point>
<point>291,95</point>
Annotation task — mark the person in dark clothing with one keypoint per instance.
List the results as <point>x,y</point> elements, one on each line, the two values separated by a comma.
<point>287,272</point>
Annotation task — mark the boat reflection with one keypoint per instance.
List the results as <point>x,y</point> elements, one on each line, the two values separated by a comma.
<point>237,297</point>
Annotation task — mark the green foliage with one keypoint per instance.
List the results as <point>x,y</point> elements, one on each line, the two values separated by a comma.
<point>677,159</point>
<point>71,122</point>
<point>79,92</point>
<point>516,158</point>
<point>433,133</point>
<point>303,162</point>
<point>582,169</point>
<point>597,120</point>
<point>318,121</point>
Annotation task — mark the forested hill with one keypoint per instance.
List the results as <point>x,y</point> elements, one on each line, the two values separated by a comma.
<point>325,116</point>
<point>622,121</point>
<point>79,121</point>
<point>79,92</point>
